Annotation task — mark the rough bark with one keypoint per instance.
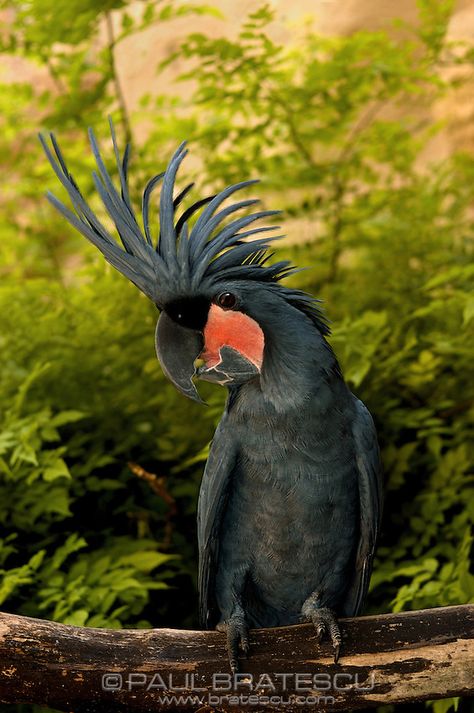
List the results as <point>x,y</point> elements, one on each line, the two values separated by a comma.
<point>389,658</point>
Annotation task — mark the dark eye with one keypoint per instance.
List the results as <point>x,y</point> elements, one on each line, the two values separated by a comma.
<point>226,300</point>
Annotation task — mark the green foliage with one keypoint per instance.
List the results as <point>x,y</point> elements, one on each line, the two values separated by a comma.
<point>332,126</point>
<point>84,541</point>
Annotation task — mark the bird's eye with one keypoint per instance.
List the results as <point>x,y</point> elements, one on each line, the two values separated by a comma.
<point>226,300</point>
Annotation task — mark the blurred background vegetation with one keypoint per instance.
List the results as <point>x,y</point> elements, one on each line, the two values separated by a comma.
<point>100,458</point>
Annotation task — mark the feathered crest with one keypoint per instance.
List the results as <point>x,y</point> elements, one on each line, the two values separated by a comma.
<point>179,260</point>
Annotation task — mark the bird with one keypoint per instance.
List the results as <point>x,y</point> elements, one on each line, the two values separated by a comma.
<point>290,502</point>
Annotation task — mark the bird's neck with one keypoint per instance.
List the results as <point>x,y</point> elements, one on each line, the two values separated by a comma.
<point>299,367</point>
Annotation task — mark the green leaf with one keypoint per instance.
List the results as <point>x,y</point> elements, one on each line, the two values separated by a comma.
<point>58,469</point>
<point>468,312</point>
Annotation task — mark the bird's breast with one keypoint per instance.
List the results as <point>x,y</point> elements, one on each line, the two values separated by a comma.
<point>292,515</point>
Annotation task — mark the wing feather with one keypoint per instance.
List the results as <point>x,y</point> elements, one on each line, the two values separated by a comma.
<point>213,496</point>
<point>370,496</point>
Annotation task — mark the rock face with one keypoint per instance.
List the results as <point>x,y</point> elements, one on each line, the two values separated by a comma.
<point>457,108</point>
<point>330,17</point>
<point>348,16</point>
<point>137,56</point>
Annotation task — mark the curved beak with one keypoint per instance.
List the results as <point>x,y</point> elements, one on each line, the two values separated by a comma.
<point>233,368</point>
<point>177,348</point>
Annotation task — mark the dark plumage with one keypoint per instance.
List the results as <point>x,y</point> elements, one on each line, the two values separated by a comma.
<point>290,501</point>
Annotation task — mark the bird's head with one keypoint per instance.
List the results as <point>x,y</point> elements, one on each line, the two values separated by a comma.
<point>210,336</point>
<point>212,283</point>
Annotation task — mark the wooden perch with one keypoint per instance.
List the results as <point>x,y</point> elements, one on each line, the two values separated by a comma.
<point>391,658</point>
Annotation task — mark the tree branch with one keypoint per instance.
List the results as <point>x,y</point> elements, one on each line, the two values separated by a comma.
<point>111,43</point>
<point>411,656</point>
<point>158,485</point>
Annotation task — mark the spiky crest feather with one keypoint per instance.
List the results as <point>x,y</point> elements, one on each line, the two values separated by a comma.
<point>179,261</point>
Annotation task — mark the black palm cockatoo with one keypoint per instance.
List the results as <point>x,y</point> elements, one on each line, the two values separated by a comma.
<point>290,500</point>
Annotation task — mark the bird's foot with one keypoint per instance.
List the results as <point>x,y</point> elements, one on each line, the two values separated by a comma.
<point>237,637</point>
<point>325,622</point>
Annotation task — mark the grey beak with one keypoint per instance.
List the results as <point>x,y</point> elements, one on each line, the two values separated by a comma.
<point>177,348</point>
<point>232,368</point>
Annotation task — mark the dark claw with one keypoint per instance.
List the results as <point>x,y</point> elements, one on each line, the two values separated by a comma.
<point>320,631</point>
<point>336,638</point>
<point>233,649</point>
<point>325,622</point>
<point>237,634</point>
<point>234,665</point>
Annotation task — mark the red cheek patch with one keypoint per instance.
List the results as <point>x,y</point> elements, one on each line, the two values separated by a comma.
<point>232,329</point>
